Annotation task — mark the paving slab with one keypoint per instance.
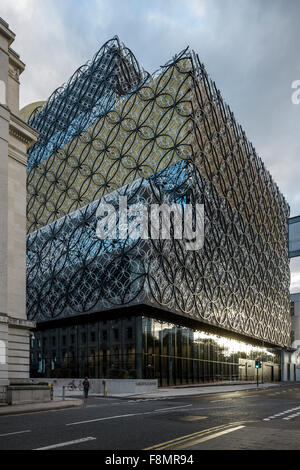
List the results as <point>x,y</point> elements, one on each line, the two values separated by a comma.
<point>34,407</point>
<point>194,390</point>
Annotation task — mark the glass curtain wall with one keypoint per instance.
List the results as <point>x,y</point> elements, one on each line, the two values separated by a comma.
<point>106,348</point>
<point>141,347</point>
<point>179,355</point>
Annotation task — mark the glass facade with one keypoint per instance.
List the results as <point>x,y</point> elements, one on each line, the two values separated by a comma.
<point>105,348</point>
<point>179,355</point>
<point>142,347</point>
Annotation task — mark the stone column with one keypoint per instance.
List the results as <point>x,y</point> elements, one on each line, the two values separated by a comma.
<point>6,38</point>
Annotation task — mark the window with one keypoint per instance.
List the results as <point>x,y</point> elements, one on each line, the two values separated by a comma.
<point>116,333</point>
<point>72,339</point>
<point>53,340</point>
<point>40,363</point>
<point>130,350</point>
<point>93,336</point>
<point>129,333</point>
<point>104,335</point>
<point>83,338</point>
<point>64,340</point>
<point>116,353</point>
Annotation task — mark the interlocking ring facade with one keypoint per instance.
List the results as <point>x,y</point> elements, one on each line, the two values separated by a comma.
<point>115,130</point>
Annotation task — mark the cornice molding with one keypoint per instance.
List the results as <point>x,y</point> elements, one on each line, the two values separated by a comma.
<point>20,323</point>
<point>15,62</point>
<point>21,131</point>
<point>7,33</point>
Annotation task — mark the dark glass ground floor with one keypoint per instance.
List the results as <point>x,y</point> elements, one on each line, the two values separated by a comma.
<point>143,347</point>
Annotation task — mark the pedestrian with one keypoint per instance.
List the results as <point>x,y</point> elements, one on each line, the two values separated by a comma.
<point>86,386</point>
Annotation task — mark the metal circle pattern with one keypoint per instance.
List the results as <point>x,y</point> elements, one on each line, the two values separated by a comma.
<point>168,138</point>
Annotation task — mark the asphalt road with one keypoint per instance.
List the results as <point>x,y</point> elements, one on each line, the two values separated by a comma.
<point>256,419</point>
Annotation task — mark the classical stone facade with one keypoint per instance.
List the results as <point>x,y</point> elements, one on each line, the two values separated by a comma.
<point>15,138</point>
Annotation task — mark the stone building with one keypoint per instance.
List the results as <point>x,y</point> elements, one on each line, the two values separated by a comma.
<point>15,138</point>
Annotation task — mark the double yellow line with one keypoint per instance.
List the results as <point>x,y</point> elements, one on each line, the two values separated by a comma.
<point>189,440</point>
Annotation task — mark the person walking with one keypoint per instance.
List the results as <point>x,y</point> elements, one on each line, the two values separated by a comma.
<point>86,386</point>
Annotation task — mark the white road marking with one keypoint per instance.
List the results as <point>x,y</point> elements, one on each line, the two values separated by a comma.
<point>172,408</point>
<point>127,415</point>
<point>13,433</point>
<point>103,419</point>
<point>149,399</point>
<point>240,398</point>
<point>278,415</point>
<point>216,401</point>
<point>292,416</point>
<point>250,396</point>
<point>69,443</point>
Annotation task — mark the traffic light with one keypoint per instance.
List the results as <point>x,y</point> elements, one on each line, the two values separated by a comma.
<point>257,364</point>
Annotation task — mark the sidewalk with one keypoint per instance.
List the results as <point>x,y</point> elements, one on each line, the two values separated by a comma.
<point>187,390</point>
<point>174,391</point>
<point>34,407</point>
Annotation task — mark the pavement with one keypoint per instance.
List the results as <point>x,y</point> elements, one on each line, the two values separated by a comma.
<point>34,407</point>
<point>181,391</point>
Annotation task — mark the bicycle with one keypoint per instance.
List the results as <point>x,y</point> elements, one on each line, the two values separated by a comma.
<point>72,386</point>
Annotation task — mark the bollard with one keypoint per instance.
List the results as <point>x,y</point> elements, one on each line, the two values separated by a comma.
<point>63,392</point>
<point>51,390</point>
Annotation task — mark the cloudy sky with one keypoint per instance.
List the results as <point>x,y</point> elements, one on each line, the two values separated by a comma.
<point>250,48</point>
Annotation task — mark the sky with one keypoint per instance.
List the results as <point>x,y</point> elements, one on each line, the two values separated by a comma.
<point>249,47</point>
